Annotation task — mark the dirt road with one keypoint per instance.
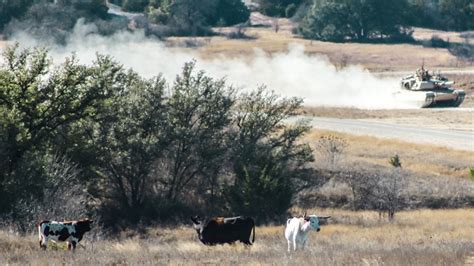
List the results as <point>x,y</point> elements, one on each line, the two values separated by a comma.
<point>456,139</point>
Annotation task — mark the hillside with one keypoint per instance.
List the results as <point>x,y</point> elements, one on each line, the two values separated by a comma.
<point>374,57</point>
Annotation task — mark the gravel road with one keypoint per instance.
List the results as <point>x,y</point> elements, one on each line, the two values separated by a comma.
<point>457,139</point>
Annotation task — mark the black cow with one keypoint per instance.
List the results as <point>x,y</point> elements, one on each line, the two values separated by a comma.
<point>220,230</point>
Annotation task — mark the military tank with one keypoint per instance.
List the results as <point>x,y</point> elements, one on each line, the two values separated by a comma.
<point>436,89</point>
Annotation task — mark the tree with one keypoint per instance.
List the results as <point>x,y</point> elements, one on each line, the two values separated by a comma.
<point>376,188</point>
<point>331,20</point>
<point>278,8</point>
<point>266,155</point>
<point>386,18</point>
<point>35,101</point>
<point>55,21</point>
<point>457,14</point>
<point>61,195</point>
<point>92,8</point>
<point>189,17</point>
<point>130,141</point>
<point>12,9</point>
<point>327,22</point>
<point>199,114</point>
<point>230,12</point>
<point>135,5</point>
<point>443,14</point>
<point>389,192</point>
<point>331,148</point>
<point>46,20</point>
<point>361,182</point>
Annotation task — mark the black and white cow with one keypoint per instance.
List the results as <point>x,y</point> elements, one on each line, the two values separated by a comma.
<point>69,231</point>
<point>220,230</point>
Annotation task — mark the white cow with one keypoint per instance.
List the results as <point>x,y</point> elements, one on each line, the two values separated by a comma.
<point>297,230</point>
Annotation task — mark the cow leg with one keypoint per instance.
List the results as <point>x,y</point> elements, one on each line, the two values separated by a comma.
<point>289,245</point>
<point>294,243</point>
<point>246,242</point>
<point>303,244</point>
<point>71,245</point>
<point>43,243</point>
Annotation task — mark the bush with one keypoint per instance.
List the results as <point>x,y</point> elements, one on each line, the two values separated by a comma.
<point>11,9</point>
<point>135,5</point>
<point>351,20</point>
<point>239,33</point>
<point>331,150</point>
<point>463,51</point>
<point>92,8</point>
<point>290,10</point>
<point>395,161</point>
<point>279,8</point>
<point>46,21</point>
<point>260,193</point>
<point>229,12</point>
<point>437,42</point>
<point>327,23</point>
<point>50,22</point>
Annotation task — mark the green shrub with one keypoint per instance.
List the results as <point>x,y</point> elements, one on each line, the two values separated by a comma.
<point>135,5</point>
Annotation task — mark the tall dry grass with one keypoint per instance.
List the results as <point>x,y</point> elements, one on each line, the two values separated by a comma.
<point>423,159</point>
<point>423,237</point>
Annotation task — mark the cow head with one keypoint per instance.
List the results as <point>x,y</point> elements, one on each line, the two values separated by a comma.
<point>313,222</point>
<point>85,224</point>
<point>197,224</point>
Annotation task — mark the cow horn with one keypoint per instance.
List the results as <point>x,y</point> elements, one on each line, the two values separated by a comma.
<point>195,219</point>
<point>304,215</point>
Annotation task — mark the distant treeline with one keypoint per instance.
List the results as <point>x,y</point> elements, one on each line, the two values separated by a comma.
<point>363,20</point>
<point>334,20</point>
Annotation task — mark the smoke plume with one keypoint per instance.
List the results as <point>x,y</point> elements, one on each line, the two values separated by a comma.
<point>289,73</point>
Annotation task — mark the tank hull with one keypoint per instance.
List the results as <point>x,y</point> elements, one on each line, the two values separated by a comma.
<point>452,99</point>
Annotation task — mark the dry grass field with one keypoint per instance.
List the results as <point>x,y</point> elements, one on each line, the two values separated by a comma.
<point>422,237</point>
<point>426,34</point>
<point>374,57</point>
<point>419,158</point>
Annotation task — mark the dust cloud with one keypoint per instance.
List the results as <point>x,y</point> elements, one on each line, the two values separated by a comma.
<point>290,73</point>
